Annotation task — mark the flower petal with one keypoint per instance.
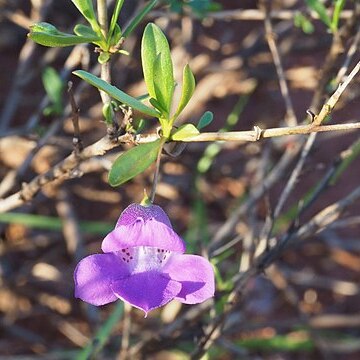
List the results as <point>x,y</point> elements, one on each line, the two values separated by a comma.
<point>196,275</point>
<point>147,290</point>
<point>149,233</point>
<point>136,211</point>
<point>93,276</point>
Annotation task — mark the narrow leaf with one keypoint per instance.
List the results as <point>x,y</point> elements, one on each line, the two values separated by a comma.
<point>154,43</point>
<point>157,105</point>
<point>116,35</point>
<point>115,17</point>
<point>320,9</point>
<point>185,131</point>
<point>133,162</point>
<point>87,10</point>
<point>188,87</point>
<point>54,87</point>
<point>138,18</point>
<point>205,120</point>
<point>339,5</point>
<point>48,35</point>
<point>116,93</point>
<point>163,84</point>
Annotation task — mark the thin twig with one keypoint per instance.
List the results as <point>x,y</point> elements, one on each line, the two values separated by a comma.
<point>105,73</point>
<point>257,134</point>
<point>65,168</point>
<point>39,12</point>
<point>308,145</point>
<point>290,117</point>
<point>330,104</point>
<point>156,173</point>
<point>318,223</point>
<point>75,110</point>
<point>71,230</point>
<point>125,339</point>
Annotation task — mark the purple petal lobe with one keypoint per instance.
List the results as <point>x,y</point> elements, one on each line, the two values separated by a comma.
<point>195,274</point>
<point>142,232</point>
<point>146,290</point>
<point>93,277</point>
<point>136,211</point>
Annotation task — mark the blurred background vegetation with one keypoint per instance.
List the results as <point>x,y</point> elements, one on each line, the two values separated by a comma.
<point>220,197</point>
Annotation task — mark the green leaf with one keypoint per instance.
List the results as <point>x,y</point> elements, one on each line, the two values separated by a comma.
<point>157,105</point>
<point>205,120</point>
<point>104,57</point>
<point>188,87</point>
<point>138,18</point>
<point>48,35</point>
<point>114,19</point>
<point>108,113</point>
<point>133,162</point>
<point>87,10</point>
<point>303,22</point>
<point>339,5</point>
<point>116,93</point>
<point>86,31</point>
<point>185,131</point>
<point>116,36</point>
<point>54,87</point>
<point>160,85</point>
<point>320,9</point>
<point>163,85</point>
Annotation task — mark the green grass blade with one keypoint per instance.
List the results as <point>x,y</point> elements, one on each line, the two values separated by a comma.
<point>53,223</point>
<point>138,18</point>
<point>102,335</point>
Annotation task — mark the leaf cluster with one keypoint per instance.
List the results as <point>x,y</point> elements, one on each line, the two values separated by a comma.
<point>159,79</point>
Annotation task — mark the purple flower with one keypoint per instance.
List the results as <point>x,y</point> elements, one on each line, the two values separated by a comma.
<point>143,264</point>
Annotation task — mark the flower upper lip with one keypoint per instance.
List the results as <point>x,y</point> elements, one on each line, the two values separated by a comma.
<point>143,226</point>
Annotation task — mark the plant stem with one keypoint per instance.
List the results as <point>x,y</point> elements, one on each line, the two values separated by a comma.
<point>102,16</point>
<point>156,173</point>
<point>105,67</point>
<point>257,133</point>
